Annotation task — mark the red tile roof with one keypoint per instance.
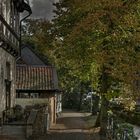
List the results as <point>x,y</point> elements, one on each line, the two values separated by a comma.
<point>36,78</point>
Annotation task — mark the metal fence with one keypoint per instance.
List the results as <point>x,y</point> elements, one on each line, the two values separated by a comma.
<point>118,129</point>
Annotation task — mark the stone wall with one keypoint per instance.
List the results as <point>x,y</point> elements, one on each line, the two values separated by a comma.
<point>31,101</point>
<point>38,122</point>
<point>52,103</point>
<point>6,58</point>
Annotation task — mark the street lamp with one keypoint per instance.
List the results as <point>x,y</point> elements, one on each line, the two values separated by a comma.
<point>91,100</point>
<point>91,103</point>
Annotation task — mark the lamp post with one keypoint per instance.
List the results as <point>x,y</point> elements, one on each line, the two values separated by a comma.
<point>91,103</point>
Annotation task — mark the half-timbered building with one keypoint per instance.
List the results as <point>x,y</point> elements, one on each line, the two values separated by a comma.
<point>9,49</point>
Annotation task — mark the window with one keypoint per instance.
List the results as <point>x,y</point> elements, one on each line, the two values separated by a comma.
<point>8,76</point>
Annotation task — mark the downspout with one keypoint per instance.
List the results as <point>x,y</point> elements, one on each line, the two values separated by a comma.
<point>20,36</point>
<point>20,41</point>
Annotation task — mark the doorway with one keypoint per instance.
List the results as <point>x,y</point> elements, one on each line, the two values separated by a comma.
<point>8,94</point>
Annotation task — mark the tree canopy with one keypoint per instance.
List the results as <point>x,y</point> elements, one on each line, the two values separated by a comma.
<point>87,36</point>
<point>94,44</point>
<point>100,33</point>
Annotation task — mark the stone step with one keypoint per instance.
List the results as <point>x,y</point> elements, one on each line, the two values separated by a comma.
<point>11,132</point>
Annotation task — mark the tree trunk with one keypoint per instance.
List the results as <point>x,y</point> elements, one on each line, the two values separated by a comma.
<point>104,102</point>
<point>97,124</point>
<point>103,116</point>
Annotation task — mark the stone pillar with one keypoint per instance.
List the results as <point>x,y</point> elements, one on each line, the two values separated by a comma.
<point>38,126</point>
<point>52,110</point>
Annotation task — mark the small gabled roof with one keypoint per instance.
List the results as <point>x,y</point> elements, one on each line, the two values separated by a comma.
<point>36,78</point>
<point>30,57</point>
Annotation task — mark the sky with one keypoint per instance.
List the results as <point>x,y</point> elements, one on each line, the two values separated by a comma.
<point>42,8</point>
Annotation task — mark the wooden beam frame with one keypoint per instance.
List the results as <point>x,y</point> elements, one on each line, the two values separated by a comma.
<point>9,28</point>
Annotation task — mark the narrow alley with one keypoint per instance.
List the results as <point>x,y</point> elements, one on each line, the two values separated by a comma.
<point>70,125</point>
<point>57,55</point>
<point>73,126</point>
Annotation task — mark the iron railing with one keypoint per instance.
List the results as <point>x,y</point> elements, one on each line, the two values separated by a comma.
<point>119,130</point>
